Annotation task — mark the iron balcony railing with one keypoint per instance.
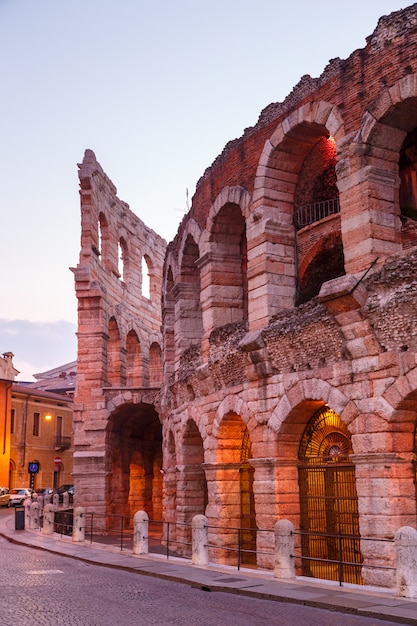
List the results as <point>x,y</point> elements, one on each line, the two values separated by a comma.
<point>306,214</point>
<point>62,443</point>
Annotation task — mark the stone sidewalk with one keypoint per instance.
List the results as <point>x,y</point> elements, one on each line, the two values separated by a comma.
<point>354,599</point>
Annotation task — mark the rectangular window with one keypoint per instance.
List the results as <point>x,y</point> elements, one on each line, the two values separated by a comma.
<point>36,422</point>
<point>59,426</point>
<point>12,416</point>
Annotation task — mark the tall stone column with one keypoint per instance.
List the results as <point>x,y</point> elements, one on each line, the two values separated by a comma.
<point>386,502</point>
<point>369,207</point>
<point>224,508</point>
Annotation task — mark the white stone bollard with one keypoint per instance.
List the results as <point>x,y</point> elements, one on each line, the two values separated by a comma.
<point>65,500</point>
<point>27,504</point>
<point>48,519</point>
<point>55,501</point>
<point>35,515</point>
<point>284,550</point>
<point>140,533</point>
<point>406,549</point>
<point>200,540</point>
<point>78,525</point>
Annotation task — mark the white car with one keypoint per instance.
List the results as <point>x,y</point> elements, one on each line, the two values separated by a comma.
<point>18,495</point>
<point>4,496</point>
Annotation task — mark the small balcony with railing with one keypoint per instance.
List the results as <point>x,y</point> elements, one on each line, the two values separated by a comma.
<point>62,443</point>
<point>306,214</point>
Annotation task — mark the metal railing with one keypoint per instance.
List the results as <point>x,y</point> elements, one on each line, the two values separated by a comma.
<point>335,566</point>
<point>174,539</point>
<point>307,214</point>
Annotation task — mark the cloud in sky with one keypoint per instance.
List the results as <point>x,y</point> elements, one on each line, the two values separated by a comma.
<point>38,346</point>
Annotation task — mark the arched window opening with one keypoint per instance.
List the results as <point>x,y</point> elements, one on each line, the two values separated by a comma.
<point>329,263</point>
<point>229,266</point>
<point>146,277</point>
<point>168,313</point>
<point>188,305</point>
<point>103,237</point>
<point>234,452</point>
<point>328,500</point>
<point>408,189</point>
<point>408,176</point>
<point>316,194</point>
<point>191,492</point>
<point>114,361</point>
<point>122,259</point>
<point>155,365</point>
<point>134,363</point>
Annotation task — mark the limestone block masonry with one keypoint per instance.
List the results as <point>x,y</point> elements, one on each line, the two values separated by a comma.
<point>271,373</point>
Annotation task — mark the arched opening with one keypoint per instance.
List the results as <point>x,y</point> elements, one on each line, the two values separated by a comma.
<point>326,264</point>
<point>134,440</point>
<point>192,494</point>
<point>235,484</point>
<point>228,265</point>
<point>168,314</point>
<point>114,355</point>
<point>329,519</point>
<point>188,306</point>
<point>134,364</point>
<point>316,194</point>
<point>146,277</point>
<point>155,365</point>
<point>408,188</point>
<point>103,238</point>
<point>122,260</point>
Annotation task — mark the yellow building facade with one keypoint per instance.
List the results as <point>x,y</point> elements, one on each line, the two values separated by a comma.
<point>7,375</point>
<point>40,438</point>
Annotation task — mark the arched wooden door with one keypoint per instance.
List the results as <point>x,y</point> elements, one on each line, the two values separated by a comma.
<point>328,501</point>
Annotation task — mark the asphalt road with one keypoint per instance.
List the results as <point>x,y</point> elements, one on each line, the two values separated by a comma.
<point>38,588</point>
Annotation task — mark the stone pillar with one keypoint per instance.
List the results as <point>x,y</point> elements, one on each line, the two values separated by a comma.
<point>369,208</point>
<point>386,502</point>
<point>78,526</point>
<point>271,264</point>
<point>406,548</point>
<point>224,509</point>
<point>48,520</point>
<point>35,514</point>
<point>284,550</point>
<point>266,509</point>
<point>140,532</point>
<point>200,540</point>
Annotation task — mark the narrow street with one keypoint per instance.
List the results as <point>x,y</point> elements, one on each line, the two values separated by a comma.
<point>39,588</point>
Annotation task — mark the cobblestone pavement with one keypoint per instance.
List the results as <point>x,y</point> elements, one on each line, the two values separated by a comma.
<point>43,589</point>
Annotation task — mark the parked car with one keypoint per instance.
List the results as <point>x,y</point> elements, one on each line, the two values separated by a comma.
<point>44,491</point>
<point>19,494</point>
<point>4,496</point>
<point>65,489</point>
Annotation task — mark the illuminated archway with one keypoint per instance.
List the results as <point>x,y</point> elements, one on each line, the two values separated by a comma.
<point>329,518</point>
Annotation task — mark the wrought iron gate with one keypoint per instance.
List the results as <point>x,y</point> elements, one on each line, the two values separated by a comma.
<point>330,540</point>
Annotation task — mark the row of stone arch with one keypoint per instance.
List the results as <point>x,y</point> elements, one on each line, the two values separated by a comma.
<point>117,254</point>
<point>357,457</point>
<point>248,261</point>
<point>130,361</point>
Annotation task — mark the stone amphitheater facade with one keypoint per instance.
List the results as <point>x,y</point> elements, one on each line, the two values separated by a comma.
<point>270,372</point>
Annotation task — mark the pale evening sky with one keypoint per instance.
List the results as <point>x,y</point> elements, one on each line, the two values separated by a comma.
<point>155,89</point>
